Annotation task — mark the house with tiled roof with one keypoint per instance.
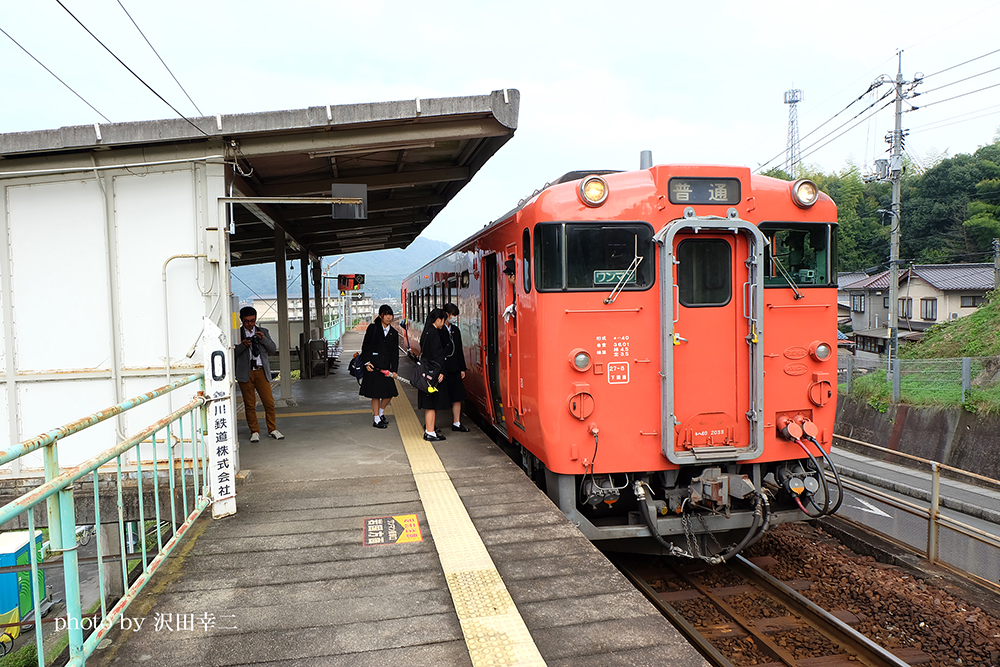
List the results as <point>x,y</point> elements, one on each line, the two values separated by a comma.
<point>844,279</point>
<point>927,294</point>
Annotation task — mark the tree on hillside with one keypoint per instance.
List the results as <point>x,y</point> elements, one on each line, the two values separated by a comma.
<point>936,207</point>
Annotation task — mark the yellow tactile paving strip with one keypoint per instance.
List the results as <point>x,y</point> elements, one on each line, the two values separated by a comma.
<point>494,630</point>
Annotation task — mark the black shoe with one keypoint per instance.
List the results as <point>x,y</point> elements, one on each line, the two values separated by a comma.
<point>384,419</point>
<point>381,424</point>
<point>432,438</point>
<point>460,427</point>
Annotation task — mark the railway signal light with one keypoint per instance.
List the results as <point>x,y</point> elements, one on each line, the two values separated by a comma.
<point>350,281</point>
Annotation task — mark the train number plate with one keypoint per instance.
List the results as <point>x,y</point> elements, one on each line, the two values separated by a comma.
<point>617,372</point>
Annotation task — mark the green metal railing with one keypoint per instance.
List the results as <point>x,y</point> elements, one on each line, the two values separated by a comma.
<point>333,330</point>
<point>57,492</point>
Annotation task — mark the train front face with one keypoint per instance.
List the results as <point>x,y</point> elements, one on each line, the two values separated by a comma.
<point>699,358</point>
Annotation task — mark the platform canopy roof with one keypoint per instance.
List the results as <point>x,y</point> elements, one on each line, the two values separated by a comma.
<point>413,156</point>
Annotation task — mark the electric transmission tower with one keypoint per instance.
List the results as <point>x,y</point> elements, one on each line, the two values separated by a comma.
<point>792,154</point>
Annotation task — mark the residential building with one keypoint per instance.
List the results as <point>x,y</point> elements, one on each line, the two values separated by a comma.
<point>927,294</point>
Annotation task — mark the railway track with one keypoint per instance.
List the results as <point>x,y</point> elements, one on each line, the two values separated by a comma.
<point>756,619</point>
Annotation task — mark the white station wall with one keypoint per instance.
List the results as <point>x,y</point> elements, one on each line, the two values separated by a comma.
<point>60,301</point>
<point>155,219</point>
<point>64,242</point>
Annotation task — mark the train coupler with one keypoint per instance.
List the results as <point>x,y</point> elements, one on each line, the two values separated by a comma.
<point>714,489</point>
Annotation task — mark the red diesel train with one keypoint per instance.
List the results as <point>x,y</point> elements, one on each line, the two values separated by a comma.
<point>664,357</point>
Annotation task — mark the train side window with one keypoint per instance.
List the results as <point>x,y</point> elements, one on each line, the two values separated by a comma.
<point>526,258</point>
<point>464,280</point>
<point>704,272</point>
<point>549,256</point>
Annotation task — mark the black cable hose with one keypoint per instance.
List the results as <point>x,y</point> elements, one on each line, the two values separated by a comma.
<point>648,520</point>
<point>765,525</point>
<point>751,534</point>
<point>836,475</point>
<point>822,478</point>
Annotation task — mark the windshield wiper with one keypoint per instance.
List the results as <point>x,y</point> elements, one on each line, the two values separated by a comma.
<point>788,278</point>
<point>629,273</point>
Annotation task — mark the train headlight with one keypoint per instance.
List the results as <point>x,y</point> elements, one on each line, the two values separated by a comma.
<point>593,191</point>
<point>580,359</point>
<point>820,351</point>
<point>804,193</point>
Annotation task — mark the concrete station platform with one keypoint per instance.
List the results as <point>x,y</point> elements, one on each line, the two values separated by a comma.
<point>498,575</point>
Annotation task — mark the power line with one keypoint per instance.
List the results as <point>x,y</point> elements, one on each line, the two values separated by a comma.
<point>960,64</point>
<point>961,118</point>
<point>59,2</point>
<point>54,75</point>
<point>958,81</point>
<point>872,104</point>
<point>158,56</point>
<point>955,97</point>
<point>814,148</point>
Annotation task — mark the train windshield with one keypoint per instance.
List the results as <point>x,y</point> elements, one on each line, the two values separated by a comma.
<point>801,253</point>
<point>593,256</point>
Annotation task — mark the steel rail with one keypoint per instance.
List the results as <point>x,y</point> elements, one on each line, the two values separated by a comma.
<point>698,640</point>
<point>849,639</point>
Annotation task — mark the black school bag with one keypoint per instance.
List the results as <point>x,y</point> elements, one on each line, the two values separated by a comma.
<point>356,368</point>
<point>425,374</point>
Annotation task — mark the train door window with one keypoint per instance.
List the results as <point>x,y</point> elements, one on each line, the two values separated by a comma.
<point>704,272</point>
<point>464,280</point>
<point>453,289</point>
<point>802,253</point>
<point>526,259</point>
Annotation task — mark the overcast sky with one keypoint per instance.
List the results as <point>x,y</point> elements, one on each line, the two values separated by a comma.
<point>694,81</point>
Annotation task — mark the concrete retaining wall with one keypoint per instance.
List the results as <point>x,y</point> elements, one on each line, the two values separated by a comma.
<point>948,435</point>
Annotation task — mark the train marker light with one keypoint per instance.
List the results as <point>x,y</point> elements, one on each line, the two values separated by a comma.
<point>593,191</point>
<point>580,359</point>
<point>820,351</point>
<point>804,193</point>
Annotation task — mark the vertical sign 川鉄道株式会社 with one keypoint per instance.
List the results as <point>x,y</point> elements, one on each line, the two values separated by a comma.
<point>220,431</point>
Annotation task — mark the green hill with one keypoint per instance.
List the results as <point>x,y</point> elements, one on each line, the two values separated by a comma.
<point>976,335</point>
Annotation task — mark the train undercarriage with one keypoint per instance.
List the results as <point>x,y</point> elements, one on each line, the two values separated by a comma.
<point>710,513</point>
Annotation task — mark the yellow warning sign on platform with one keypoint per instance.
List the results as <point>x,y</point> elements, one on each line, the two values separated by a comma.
<point>391,530</point>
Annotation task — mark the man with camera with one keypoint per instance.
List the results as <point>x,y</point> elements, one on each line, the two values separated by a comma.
<point>253,372</point>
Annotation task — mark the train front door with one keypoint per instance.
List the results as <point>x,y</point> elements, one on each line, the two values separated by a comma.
<point>711,348</point>
<point>512,356</point>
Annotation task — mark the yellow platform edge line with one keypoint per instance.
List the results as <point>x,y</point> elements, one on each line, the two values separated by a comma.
<point>494,631</point>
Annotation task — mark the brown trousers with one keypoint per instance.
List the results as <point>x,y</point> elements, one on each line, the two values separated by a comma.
<point>260,382</point>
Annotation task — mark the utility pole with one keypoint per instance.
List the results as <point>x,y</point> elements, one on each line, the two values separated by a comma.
<point>895,175</point>
<point>996,263</point>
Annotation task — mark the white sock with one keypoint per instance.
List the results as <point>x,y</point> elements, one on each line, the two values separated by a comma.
<point>456,423</point>
<point>430,432</point>
<point>381,411</point>
<point>376,419</point>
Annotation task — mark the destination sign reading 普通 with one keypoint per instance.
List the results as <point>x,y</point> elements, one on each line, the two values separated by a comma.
<point>722,191</point>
